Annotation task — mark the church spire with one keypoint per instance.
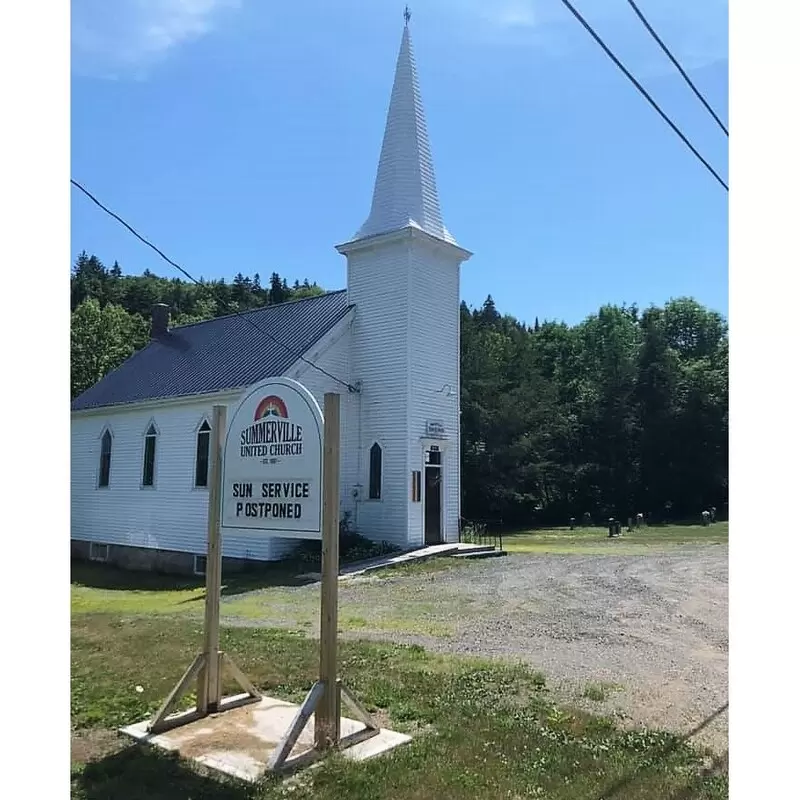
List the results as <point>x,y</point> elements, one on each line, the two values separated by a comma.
<point>405,186</point>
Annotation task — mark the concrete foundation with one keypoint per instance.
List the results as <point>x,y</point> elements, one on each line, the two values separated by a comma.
<point>145,559</point>
<point>239,742</point>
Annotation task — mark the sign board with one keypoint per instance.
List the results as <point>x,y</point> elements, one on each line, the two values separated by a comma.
<point>434,429</point>
<point>272,462</point>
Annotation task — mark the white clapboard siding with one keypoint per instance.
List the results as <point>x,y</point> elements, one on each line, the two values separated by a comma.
<point>377,282</point>
<point>173,514</point>
<point>434,327</point>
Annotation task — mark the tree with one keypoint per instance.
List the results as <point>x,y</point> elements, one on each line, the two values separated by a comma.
<point>277,289</point>
<point>607,416</point>
<point>100,340</point>
<point>89,279</point>
<point>692,330</point>
<point>657,377</point>
<point>489,314</point>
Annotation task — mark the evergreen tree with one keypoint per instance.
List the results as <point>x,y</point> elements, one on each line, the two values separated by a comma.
<point>277,289</point>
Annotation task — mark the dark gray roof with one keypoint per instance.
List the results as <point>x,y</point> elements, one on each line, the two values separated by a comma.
<point>222,353</point>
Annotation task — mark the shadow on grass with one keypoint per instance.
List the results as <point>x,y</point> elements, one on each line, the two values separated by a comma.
<point>720,762</point>
<point>106,576</point>
<point>143,773</point>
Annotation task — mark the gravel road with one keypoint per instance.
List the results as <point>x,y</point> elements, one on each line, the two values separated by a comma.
<point>652,627</point>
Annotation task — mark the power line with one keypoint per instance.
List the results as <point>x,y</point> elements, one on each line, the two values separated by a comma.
<point>166,258</point>
<point>643,92</point>
<point>677,65</point>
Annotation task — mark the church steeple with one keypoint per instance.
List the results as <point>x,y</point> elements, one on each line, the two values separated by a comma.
<point>405,186</point>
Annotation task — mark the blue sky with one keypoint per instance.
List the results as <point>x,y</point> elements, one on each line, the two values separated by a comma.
<point>244,135</point>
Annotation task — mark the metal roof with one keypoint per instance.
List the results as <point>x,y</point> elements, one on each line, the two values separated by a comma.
<point>218,354</point>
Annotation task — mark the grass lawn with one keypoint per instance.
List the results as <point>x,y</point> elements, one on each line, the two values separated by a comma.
<point>266,598</point>
<point>481,730</point>
<point>595,541</point>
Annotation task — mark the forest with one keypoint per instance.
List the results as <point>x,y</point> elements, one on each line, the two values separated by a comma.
<point>623,413</point>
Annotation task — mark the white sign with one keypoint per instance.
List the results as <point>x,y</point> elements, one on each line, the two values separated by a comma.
<point>434,429</point>
<point>272,462</point>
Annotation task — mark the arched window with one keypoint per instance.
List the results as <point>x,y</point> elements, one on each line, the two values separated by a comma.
<point>375,470</point>
<point>105,460</point>
<point>201,458</point>
<point>149,465</point>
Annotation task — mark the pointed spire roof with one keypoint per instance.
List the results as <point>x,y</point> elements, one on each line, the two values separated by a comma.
<point>405,187</point>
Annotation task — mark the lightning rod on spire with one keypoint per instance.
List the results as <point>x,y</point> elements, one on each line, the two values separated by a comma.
<point>407,16</point>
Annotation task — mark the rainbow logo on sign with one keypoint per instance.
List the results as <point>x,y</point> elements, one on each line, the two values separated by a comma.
<point>271,406</point>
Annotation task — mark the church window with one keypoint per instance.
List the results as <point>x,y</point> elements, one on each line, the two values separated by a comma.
<point>375,470</point>
<point>201,458</point>
<point>105,460</point>
<point>149,465</point>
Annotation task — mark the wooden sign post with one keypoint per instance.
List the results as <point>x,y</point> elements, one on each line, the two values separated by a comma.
<point>208,685</point>
<point>324,699</point>
<point>208,665</point>
<point>327,726</point>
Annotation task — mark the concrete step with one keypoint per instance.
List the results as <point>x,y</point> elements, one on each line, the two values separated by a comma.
<point>452,550</point>
<point>481,554</point>
<point>462,549</point>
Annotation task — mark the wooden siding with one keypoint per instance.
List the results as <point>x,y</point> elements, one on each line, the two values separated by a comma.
<point>377,280</point>
<point>434,364</point>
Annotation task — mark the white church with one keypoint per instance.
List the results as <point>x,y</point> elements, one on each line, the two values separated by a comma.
<point>140,436</point>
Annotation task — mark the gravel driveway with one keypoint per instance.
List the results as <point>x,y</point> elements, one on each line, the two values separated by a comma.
<point>653,627</point>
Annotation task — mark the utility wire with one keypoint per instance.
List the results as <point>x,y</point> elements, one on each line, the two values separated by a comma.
<point>674,60</point>
<point>141,238</point>
<point>643,91</point>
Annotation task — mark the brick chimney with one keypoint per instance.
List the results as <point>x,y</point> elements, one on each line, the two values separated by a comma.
<point>159,321</point>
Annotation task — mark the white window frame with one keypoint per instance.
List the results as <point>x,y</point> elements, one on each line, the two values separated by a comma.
<point>94,555</point>
<point>369,471</point>
<point>106,430</point>
<point>204,420</point>
<point>151,487</point>
<point>196,569</point>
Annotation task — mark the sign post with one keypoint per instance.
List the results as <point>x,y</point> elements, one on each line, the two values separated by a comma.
<point>208,685</point>
<point>327,721</point>
<point>208,664</point>
<point>324,699</point>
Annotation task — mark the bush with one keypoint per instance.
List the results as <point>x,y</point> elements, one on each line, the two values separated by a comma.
<point>352,547</point>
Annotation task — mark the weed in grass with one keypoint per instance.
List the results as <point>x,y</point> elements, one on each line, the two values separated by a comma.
<point>598,692</point>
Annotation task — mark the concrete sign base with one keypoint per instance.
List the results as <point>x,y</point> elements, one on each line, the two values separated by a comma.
<point>240,741</point>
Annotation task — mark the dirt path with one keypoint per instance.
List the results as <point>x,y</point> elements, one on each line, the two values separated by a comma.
<point>654,625</point>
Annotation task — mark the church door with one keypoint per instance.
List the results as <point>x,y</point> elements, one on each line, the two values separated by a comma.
<point>433,497</point>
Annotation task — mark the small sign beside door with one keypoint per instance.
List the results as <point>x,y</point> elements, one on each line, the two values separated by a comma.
<point>434,429</point>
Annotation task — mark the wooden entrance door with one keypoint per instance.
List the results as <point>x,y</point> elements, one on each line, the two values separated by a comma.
<point>433,498</point>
